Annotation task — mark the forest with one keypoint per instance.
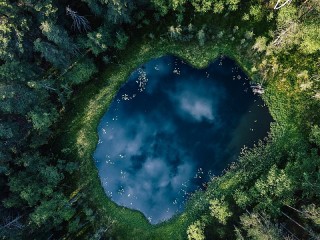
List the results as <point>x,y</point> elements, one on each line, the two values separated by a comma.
<point>61,64</point>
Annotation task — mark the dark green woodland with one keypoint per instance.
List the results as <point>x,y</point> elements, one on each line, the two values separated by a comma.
<point>61,64</point>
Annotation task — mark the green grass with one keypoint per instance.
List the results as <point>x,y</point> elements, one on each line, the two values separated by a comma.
<point>78,134</point>
<point>78,127</point>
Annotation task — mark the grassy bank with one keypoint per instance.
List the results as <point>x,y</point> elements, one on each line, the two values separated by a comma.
<point>79,135</point>
<point>62,63</point>
<point>78,132</point>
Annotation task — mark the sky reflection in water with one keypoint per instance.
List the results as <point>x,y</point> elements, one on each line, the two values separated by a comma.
<point>170,128</point>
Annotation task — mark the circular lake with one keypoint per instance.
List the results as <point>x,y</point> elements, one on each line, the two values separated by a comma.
<point>171,128</point>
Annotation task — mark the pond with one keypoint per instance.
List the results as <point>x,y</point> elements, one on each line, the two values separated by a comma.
<point>171,128</point>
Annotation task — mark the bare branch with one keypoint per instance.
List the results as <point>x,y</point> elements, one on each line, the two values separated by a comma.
<point>11,222</point>
<point>80,23</point>
<point>278,6</point>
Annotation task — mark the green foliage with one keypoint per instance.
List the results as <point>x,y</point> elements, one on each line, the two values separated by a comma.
<point>161,5</point>
<point>218,6</point>
<point>121,40</point>
<point>46,9</point>
<point>315,135</point>
<point>196,231</point>
<point>220,210</point>
<point>119,11</point>
<point>310,35</point>
<point>238,234</point>
<point>175,32</point>
<point>53,211</point>
<point>249,35</point>
<point>242,198</point>
<point>312,212</point>
<point>41,121</point>
<point>34,184</point>
<point>276,185</point>
<point>256,12</point>
<point>260,44</point>
<point>202,6</point>
<point>17,71</point>
<point>13,28</point>
<point>205,6</point>
<point>6,130</point>
<point>16,98</point>
<point>58,35</point>
<point>201,37</point>
<point>287,15</point>
<point>52,54</point>
<point>40,66</point>
<point>80,73</point>
<point>299,26</point>
<point>260,228</point>
<point>99,40</point>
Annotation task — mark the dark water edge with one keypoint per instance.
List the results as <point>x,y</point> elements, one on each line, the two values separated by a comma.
<point>172,127</point>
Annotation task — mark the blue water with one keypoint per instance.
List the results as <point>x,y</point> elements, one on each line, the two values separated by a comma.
<point>171,128</point>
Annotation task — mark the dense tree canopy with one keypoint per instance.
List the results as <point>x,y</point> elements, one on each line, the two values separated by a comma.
<point>51,50</point>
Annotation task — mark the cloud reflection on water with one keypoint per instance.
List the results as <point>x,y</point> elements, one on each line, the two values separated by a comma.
<point>152,147</point>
